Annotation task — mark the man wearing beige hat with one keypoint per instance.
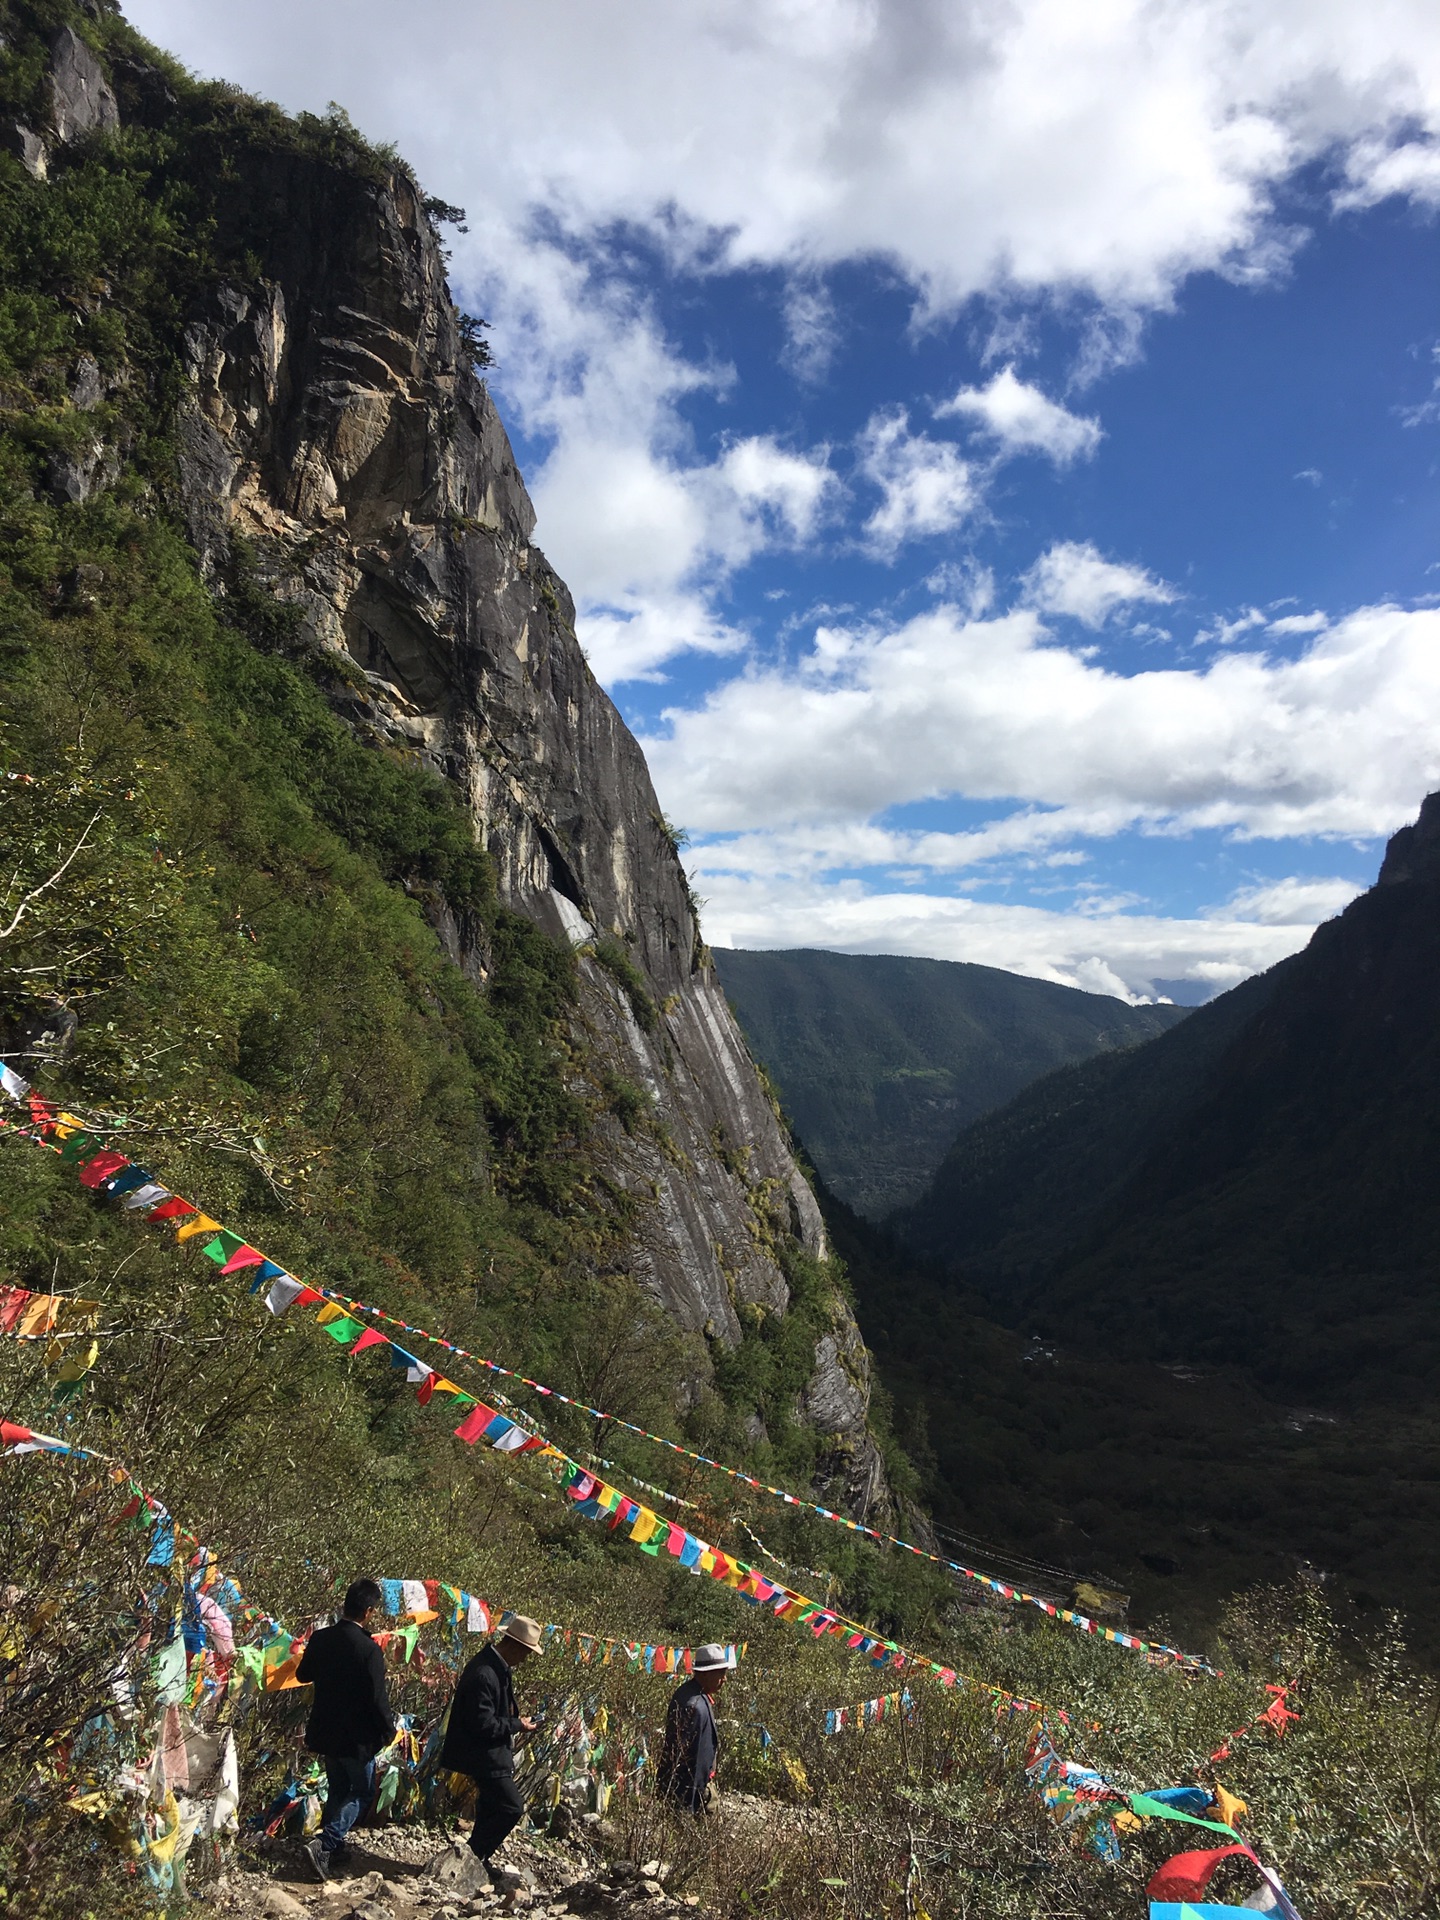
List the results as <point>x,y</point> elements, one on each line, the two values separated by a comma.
<point>480,1739</point>
<point>692,1739</point>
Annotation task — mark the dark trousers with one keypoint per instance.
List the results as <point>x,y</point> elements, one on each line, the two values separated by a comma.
<point>348,1786</point>
<point>498,1808</point>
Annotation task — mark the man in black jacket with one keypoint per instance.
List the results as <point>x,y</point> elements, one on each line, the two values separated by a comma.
<point>480,1739</point>
<point>692,1739</point>
<point>350,1720</point>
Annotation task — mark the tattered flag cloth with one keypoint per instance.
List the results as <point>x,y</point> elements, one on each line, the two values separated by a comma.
<point>108,1167</point>
<point>1187,1875</point>
<point>869,1713</point>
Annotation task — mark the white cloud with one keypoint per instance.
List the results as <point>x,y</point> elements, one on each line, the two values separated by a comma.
<point>1120,953</point>
<point>1034,145</point>
<point>1224,633</point>
<point>1299,623</point>
<point>1292,902</point>
<point>1074,578</point>
<point>1377,170</point>
<point>643,527</point>
<point>1023,420</point>
<point>1091,157</point>
<point>812,329</point>
<point>1342,739</point>
<point>928,486</point>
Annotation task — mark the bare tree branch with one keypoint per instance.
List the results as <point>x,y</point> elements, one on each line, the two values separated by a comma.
<point>54,880</point>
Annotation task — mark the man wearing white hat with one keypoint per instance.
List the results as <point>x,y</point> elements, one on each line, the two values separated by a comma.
<point>692,1738</point>
<point>480,1739</point>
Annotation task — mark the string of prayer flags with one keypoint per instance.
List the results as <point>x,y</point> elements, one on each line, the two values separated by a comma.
<point>869,1713</point>
<point>195,1223</point>
<point>33,1316</point>
<point>339,1317</point>
<point>1065,1615</point>
<point>17,1439</point>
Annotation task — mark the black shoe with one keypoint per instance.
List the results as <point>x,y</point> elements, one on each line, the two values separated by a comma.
<point>315,1858</point>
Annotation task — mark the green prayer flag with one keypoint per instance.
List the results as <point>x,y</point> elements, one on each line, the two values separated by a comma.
<point>344,1329</point>
<point>222,1246</point>
<point>1149,1809</point>
<point>78,1147</point>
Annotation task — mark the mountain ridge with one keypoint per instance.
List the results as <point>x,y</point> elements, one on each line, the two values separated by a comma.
<point>1287,1180</point>
<point>881,1059</point>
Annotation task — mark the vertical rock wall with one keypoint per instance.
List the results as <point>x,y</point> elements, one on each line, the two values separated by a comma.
<point>333,420</point>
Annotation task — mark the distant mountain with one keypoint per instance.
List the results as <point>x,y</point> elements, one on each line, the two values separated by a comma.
<point>1257,1187</point>
<point>1171,1318</point>
<point>880,1061</point>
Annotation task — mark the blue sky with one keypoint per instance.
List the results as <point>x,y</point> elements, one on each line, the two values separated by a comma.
<point>994,450</point>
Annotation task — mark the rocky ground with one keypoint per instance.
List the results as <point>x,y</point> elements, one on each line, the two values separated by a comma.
<point>395,1873</point>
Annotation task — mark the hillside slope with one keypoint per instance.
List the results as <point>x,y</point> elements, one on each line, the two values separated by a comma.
<point>1260,1182</point>
<point>229,336</point>
<point>881,1060</point>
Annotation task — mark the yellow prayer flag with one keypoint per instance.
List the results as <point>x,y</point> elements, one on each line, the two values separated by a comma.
<point>38,1314</point>
<point>80,1362</point>
<point>1227,1807</point>
<point>330,1311</point>
<point>202,1223</point>
<point>74,1312</point>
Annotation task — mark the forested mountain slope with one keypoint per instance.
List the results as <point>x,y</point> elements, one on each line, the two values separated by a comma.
<point>1259,1183</point>
<point>273,615</point>
<point>880,1060</point>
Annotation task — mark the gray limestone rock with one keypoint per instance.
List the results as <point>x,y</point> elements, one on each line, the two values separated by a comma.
<point>27,147</point>
<point>336,423</point>
<point>459,1872</point>
<point>81,100</point>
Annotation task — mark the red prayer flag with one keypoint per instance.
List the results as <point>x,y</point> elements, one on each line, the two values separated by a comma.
<point>13,1436</point>
<point>101,1168</point>
<point>175,1209</point>
<point>243,1257</point>
<point>474,1424</point>
<point>12,1302</point>
<point>369,1338</point>
<point>1187,1875</point>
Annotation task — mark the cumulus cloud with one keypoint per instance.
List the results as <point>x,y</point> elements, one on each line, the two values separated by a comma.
<point>1125,954</point>
<point>1037,145</point>
<point>928,487</point>
<point>1089,156</point>
<point>1075,578</point>
<point>1376,170</point>
<point>1343,738</point>
<point>1021,419</point>
<point>1291,902</point>
<point>643,526</point>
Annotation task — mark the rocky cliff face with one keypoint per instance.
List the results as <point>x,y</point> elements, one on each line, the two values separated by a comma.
<point>333,423</point>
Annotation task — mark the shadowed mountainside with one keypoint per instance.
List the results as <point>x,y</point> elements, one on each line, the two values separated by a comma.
<point>881,1059</point>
